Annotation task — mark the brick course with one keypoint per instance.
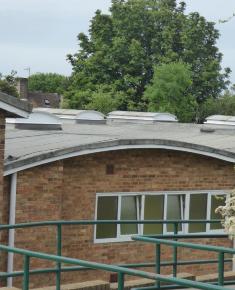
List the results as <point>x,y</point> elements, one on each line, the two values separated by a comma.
<point>67,190</point>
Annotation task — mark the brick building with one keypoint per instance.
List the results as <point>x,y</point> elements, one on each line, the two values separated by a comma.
<point>129,168</point>
<point>37,99</point>
<point>9,107</point>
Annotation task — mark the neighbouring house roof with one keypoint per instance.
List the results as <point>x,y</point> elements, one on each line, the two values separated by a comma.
<point>14,107</point>
<point>47,100</point>
<point>29,148</point>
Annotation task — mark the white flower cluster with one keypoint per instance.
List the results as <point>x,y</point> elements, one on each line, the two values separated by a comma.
<point>228,214</point>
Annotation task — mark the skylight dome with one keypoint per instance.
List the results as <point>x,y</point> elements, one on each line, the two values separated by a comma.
<point>75,116</point>
<point>220,120</point>
<point>39,121</point>
<point>140,117</point>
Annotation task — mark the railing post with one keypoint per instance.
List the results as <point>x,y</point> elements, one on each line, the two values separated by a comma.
<point>26,273</point>
<point>120,281</point>
<point>175,254</point>
<point>221,268</point>
<point>158,264</point>
<point>58,252</point>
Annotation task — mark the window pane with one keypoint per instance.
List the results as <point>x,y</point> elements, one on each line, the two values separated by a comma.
<point>216,200</point>
<point>197,210</point>
<point>107,210</point>
<point>153,210</point>
<point>174,208</point>
<point>129,212</point>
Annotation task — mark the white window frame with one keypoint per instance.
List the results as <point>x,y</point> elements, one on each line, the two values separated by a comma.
<point>165,212</point>
<point>140,210</point>
<point>208,229</point>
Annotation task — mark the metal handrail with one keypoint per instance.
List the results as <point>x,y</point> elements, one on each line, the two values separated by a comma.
<point>158,241</point>
<point>95,222</point>
<point>61,223</point>
<point>121,271</point>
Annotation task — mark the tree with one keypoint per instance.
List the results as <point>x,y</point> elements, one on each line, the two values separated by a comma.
<point>48,83</point>
<point>104,99</point>
<point>123,48</point>
<point>225,105</point>
<point>170,90</point>
<point>8,84</point>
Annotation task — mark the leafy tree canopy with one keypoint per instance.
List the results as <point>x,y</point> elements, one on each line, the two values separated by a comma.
<point>48,83</point>
<point>123,48</point>
<point>170,89</point>
<point>8,84</point>
<point>225,105</point>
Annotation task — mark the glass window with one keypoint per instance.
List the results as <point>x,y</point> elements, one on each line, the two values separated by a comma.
<point>153,210</point>
<point>216,200</point>
<point>174,210</point>
<point>197,210</point>
<point>107,210</point>
<point>129,212</point>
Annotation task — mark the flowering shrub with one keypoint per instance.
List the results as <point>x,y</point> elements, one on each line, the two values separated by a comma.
<point>228,214</point>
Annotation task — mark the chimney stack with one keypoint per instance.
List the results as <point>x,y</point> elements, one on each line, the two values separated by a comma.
<point>22,87</point>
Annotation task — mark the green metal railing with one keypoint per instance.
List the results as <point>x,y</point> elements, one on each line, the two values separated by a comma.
<point>221,251</point>
<point>121,271</point>
<point>86,266</point>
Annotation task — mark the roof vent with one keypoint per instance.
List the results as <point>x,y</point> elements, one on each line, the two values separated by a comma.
<point>75,116</point>
<point>220,120</point>
<point>140,117</point>
<point>207,130</point>
<point>39,121</point>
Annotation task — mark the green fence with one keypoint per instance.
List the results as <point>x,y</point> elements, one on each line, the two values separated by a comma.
<point>121,270</point>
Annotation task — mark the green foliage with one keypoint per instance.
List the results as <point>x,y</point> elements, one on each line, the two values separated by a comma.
<point>102,102</point>
<point>170,89</point>
<point>123,48</point>
<point>104,99</point>
<point>224,105</point>
<point>48,83</point>
<point>8,84</point>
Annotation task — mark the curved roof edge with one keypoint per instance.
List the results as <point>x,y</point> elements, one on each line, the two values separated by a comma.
<point>117,144</point>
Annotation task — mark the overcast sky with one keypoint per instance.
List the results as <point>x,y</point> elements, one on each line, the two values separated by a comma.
<point>40,33</point>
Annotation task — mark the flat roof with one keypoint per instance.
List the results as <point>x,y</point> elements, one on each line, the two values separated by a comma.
<point>29,148</point>
<point>14,106</point>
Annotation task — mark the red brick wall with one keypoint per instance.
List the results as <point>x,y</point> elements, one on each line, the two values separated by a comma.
<point>67,190</point>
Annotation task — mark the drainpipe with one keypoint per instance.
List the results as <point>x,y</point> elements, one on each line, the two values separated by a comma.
<point>233,257</point>
<point>11,235</point>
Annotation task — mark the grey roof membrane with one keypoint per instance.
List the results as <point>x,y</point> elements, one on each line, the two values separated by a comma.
<point>28,146</point>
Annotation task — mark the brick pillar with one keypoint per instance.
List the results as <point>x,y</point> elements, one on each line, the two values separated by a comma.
<point>22,87</point>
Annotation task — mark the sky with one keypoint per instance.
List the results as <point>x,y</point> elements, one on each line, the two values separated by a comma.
<point>40,33</point>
